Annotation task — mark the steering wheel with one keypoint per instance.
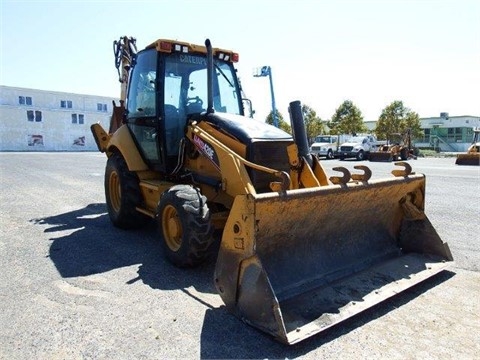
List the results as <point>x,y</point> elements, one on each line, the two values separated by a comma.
<point>195,101</point>
<point>194,105</point>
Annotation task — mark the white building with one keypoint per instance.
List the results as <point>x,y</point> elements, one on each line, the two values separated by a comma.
<point>42,120</point>
<point>448,133</point>
<point>444,133</point>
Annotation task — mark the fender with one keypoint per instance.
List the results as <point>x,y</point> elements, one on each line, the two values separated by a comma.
<point>123,142</point>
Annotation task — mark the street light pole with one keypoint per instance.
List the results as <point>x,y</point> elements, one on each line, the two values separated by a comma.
<point>267,71</point>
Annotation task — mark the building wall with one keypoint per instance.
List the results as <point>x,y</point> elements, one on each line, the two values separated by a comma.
<point>445,133</point>
<point>39,120</point>
<point>448,133</point>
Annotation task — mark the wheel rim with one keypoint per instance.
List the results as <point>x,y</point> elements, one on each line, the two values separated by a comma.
<point>172,228</point>
<point>115,191</point>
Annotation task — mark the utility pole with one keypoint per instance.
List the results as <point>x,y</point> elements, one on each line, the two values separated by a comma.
<point>267,71</point>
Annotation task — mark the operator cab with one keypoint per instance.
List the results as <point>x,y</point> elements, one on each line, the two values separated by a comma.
<point>168,85</point>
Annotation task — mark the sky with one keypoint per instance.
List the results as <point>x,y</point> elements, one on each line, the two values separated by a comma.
<point>425,53</point>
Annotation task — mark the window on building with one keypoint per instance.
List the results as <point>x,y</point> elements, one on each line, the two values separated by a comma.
<point>455,134</point>
<point>66,104</point>
<point>101,107</point>
<point>426,135</point>
<point>78,118</point>
<point>458,134</point>
<point>25,100</point>
<point>34,115</point>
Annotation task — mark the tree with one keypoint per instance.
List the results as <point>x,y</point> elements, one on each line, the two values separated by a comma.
<point>281,123</point>
<point>396,118</point>
<point>313,124</point>
<point>348,119</point>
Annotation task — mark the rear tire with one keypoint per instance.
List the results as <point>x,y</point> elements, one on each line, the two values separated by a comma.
<point>122,193</point>
<point>184,226</point>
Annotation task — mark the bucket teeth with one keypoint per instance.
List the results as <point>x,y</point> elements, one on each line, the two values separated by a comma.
<point>407,169</point>
<point>367,173</point>
<point>337,180</point>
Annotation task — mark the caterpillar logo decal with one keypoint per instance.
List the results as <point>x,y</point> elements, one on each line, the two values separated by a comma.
<point>206,150</point>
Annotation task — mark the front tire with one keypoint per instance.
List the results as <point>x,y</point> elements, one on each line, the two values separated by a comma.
<point>184,226</point>
<point>330,155</point>
<point>122,194</point>
<point>360,155</point>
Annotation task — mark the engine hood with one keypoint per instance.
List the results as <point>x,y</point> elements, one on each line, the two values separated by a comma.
<point>351,144</point>
<point>247,130</point>
<point>321,144</point>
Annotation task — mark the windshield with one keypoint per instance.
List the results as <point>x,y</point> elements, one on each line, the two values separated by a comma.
<point>322,139</point>
<point>186,84</point>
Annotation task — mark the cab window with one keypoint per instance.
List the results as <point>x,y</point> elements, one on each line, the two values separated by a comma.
<point>141,112</point>
<point>141,99</point>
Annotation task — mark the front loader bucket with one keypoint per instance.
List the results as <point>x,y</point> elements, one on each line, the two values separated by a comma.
<point>380,156</point>
<point>468,159</point>
<point>294,264</point>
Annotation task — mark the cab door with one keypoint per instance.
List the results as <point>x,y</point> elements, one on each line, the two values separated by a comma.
<point>142,112</point>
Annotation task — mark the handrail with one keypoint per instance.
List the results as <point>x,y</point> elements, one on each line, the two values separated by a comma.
<point>440,139</point>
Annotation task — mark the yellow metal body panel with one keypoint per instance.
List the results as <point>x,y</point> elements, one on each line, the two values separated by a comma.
<point>151,191</point>
<point>293,264</point>
<point>122,140</point>
<point>101,137</point>
<point>159,46</point>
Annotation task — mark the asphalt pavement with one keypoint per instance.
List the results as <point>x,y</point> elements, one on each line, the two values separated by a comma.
<point>74,287</point>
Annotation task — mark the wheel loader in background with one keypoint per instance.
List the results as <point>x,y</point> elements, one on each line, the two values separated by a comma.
<point>298,251</point>
<point>398,147</point>
<point>472,157</point>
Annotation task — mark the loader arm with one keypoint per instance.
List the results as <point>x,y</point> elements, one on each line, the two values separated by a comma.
<point>234,170</point>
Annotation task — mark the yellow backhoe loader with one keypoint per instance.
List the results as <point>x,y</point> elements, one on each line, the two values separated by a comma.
<point>472,157</point>
<point>398,147</point>
<point>298,251</point>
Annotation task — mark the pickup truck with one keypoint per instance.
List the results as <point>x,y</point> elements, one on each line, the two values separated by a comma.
<point>325,146</point>
<point>358,147</point>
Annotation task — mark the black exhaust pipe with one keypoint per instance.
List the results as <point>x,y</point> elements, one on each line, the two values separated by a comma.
<point>208,45</point>
<point>299,132</point>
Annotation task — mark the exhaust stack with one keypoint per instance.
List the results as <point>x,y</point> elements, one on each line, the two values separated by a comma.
<point>299,132</point>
